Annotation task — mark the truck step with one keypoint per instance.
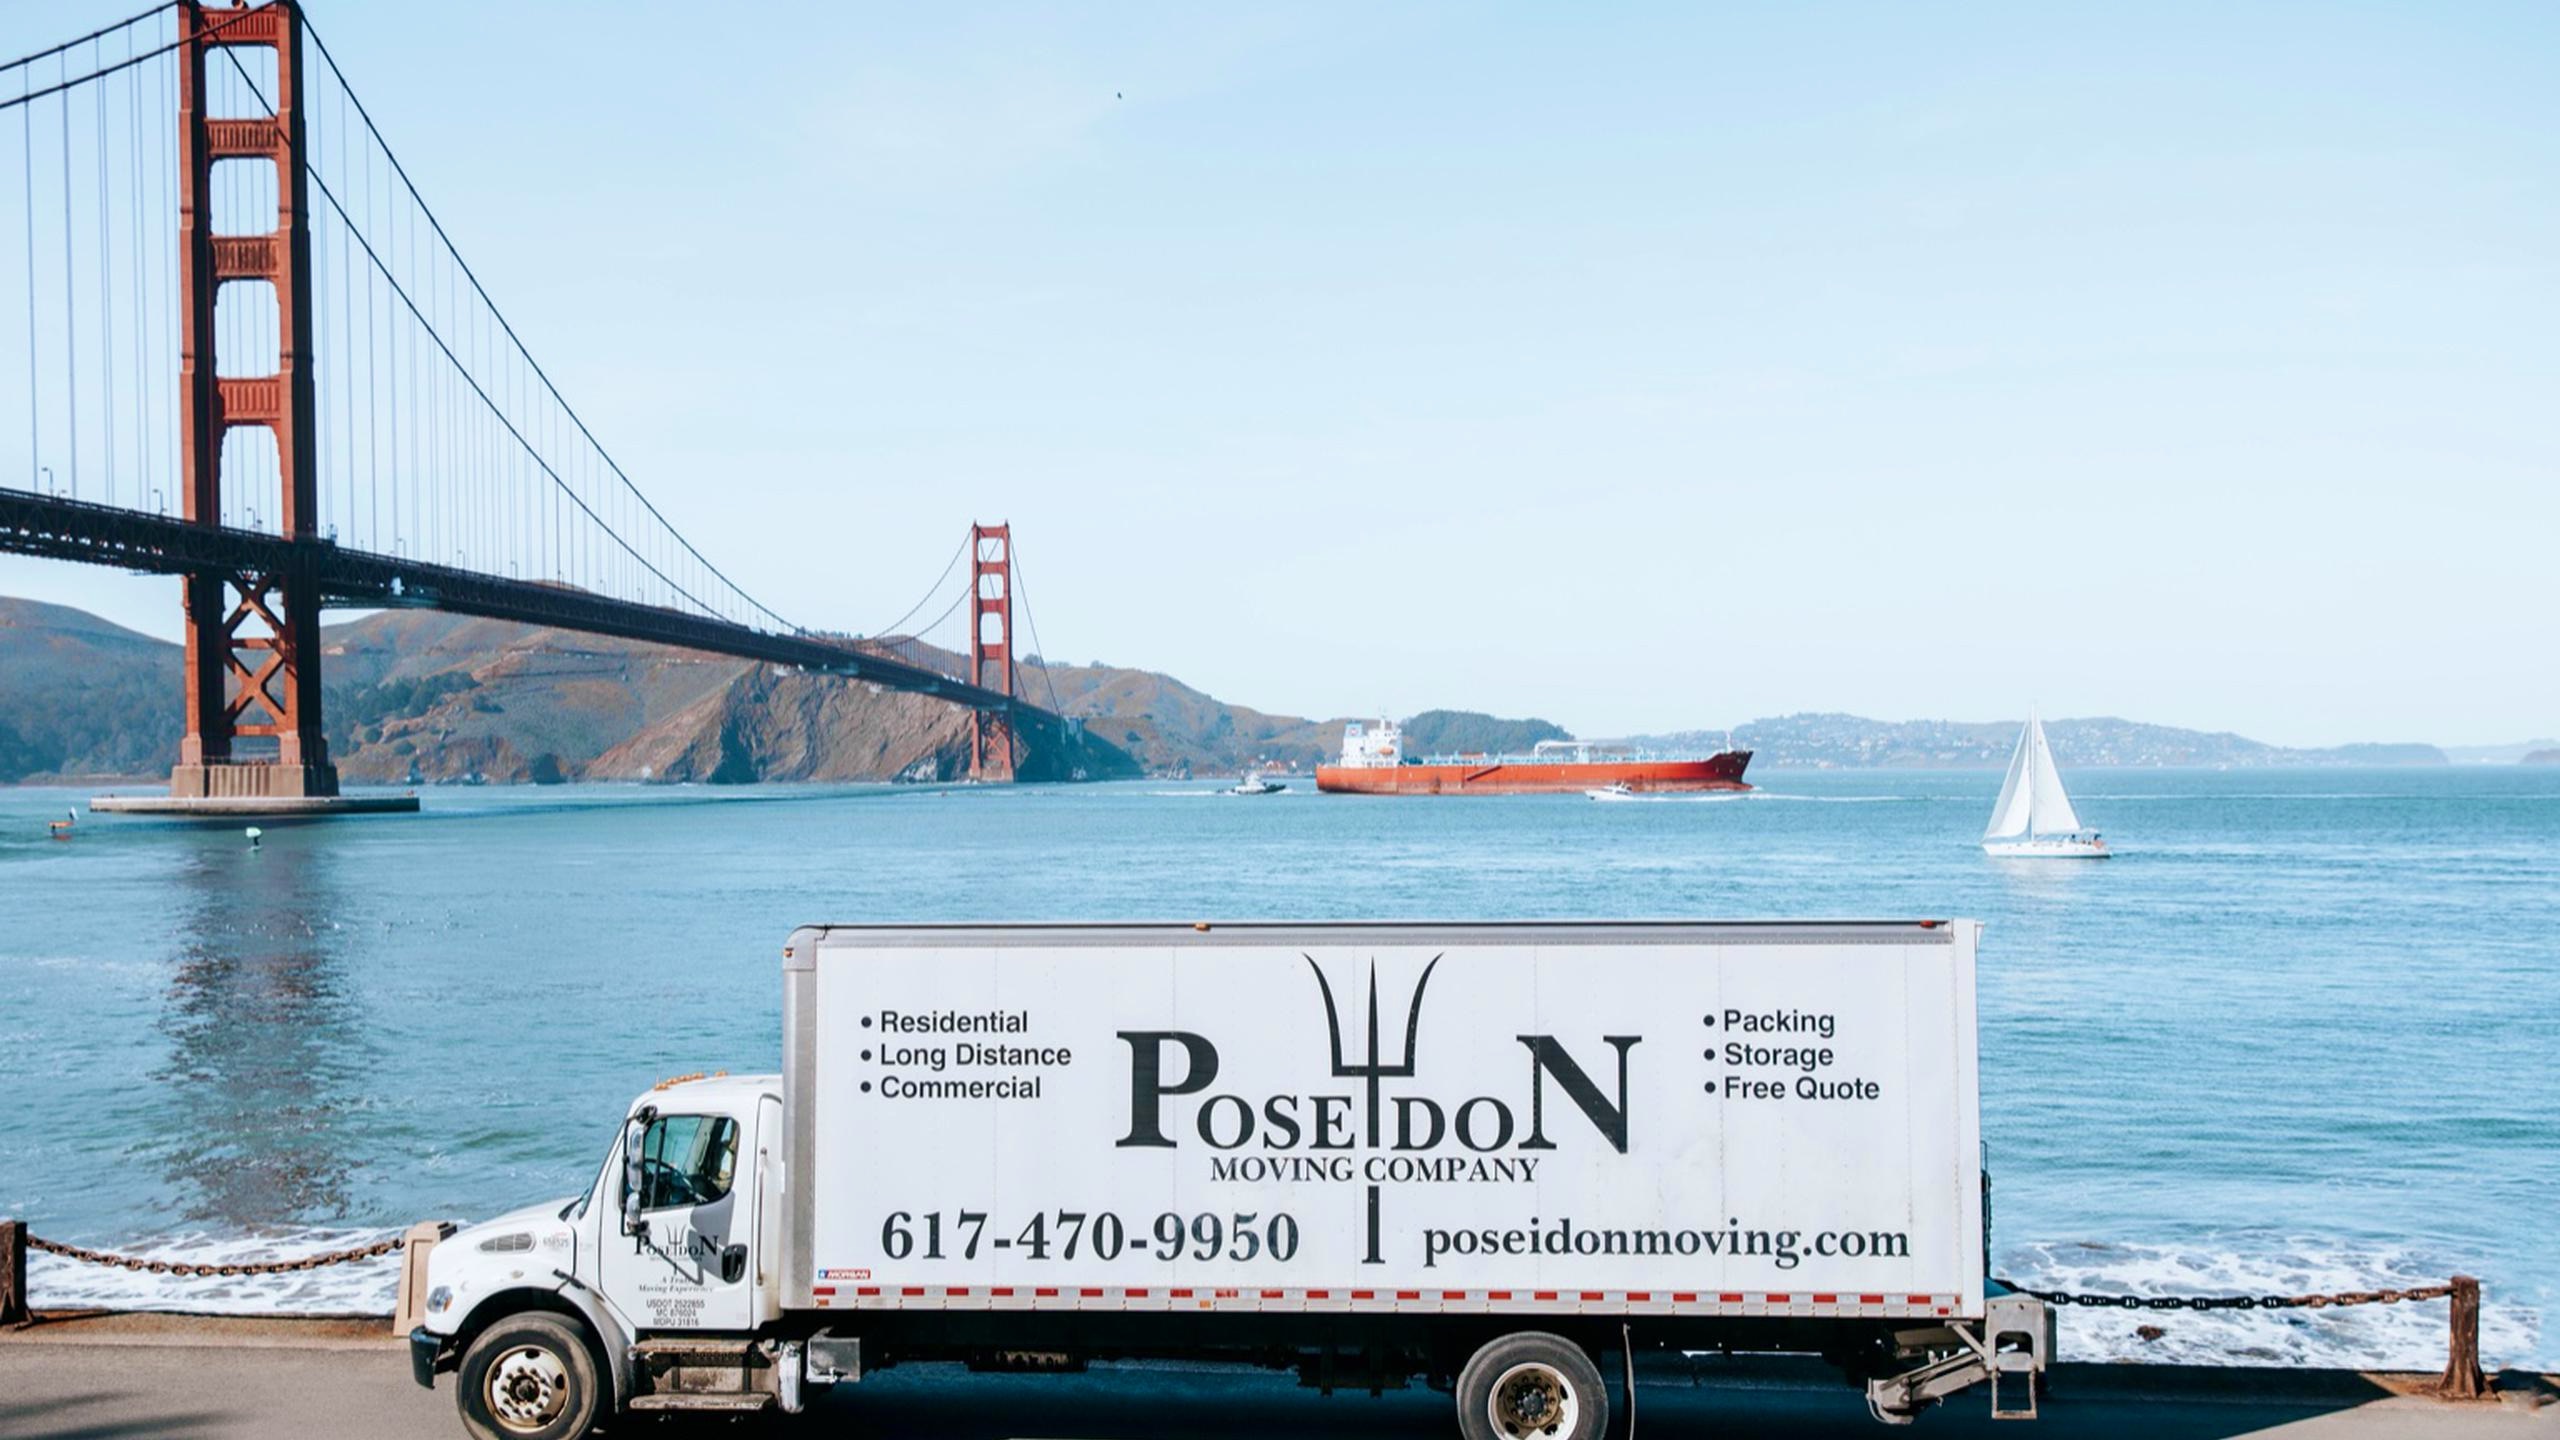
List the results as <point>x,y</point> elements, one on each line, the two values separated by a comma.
<point>682,1348</point>
<point>715,1404</point>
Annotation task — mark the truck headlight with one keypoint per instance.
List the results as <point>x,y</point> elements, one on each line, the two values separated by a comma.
<point>440,1298</point>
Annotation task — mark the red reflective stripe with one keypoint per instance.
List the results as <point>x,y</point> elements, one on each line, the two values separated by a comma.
<point>1364,1294</point>
<point>956,1290</point>
<point>1000,1290</point>
<point>1497,1294</point>
<point>1542,1295</point>
<point>1870,1299</point>
<point>1633,1295</point>
<point>1453,1294</point>
<point>1729,1299</point>
<point>1273,1294</point>
<point>1593,1295</point>
<point>1085,1292</point>
<point>1826,1299</point>
<point>1179,1294</point>
<point>1135,1294</point>
<point>1045,1290</point>
<point>1774,1299</point>
<point>822,1289</point>
<point>1915,1299</point>
<point>868,1290</point>
<point>1319,1294</point>
<point>1408,1294</point>
<point>911,1290</point>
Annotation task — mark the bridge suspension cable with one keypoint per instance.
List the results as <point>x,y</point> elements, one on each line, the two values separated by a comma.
<point>390,254</point>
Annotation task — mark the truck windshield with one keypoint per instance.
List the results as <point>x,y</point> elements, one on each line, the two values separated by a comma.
<point>577,1209</point>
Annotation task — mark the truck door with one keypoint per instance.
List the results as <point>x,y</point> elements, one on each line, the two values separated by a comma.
<point>690,1267</point>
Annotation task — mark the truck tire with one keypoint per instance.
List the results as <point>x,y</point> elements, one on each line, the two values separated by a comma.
<point>528,1377</point>
<point>1532,1386</point>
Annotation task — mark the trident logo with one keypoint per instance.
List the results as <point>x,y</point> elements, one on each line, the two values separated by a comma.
<point>1375,1068</point>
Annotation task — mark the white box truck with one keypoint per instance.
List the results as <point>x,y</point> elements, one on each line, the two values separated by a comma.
<point>1492,1155</point>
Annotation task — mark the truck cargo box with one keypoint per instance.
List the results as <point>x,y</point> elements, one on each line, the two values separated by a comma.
<point>1674,1118</point>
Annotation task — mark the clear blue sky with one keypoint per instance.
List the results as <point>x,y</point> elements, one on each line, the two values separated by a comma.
<point>1638,366</point>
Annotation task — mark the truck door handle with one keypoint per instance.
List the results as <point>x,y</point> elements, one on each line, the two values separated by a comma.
<point>733,1264</point>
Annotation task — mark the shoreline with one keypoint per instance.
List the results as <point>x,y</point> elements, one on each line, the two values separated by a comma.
<point>2071,1380</point>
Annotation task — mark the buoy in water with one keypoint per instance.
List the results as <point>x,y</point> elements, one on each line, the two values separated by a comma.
<point>254,833</point>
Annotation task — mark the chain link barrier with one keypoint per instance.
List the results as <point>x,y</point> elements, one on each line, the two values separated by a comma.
<point>2233,1302</point>
<point>181,1268</point>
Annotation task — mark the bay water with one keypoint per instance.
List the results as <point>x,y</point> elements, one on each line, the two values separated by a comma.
<point>2298,1036</point>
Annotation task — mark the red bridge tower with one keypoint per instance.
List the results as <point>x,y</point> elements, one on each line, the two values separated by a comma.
<point>253,640</point>
<point>991,645</point>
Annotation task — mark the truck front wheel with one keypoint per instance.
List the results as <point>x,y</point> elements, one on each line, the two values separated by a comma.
<point>528,1377</point>
<point>1531,1386</point>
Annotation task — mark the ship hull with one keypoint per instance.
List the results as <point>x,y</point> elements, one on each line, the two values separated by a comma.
<point>1523,777</point>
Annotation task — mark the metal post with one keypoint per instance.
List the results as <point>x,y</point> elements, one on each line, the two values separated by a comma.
<point>252,662</point>
<point>2462,1378</point>
<point>13,1272</point>
<point>991,610</point>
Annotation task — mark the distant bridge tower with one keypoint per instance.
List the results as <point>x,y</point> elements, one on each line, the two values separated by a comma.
<point>253,640</point>
<point>991,645</point>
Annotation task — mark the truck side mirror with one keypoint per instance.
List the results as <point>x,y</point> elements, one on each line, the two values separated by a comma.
<point>632,1179</point>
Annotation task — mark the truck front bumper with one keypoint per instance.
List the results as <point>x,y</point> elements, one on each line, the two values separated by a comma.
<point>425,1348</point>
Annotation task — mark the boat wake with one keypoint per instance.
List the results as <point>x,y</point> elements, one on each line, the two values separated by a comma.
<point>2407,1336</point>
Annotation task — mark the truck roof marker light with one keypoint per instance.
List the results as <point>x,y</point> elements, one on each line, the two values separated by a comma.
<point>1200,925</point>
<point>1931,924</point>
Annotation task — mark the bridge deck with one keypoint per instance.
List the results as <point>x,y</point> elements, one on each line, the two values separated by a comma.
<point>63,529</point>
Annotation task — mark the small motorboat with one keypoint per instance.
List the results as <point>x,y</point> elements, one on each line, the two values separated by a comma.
<point>61,829</point>
<point>1254,784</point>
<point>1619,791</point>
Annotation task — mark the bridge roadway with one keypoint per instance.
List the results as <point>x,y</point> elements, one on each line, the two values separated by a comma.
<point>137,540</point>
<point>233,1380</point>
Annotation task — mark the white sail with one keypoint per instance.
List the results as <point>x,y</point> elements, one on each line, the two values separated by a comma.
<point>2009,817</point>
<point>2049,809</point>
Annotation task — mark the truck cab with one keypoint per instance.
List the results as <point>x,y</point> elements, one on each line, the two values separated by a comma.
<point>643,1291</point>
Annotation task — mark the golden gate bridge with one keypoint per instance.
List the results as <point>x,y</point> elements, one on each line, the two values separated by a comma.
<point>254,359</point>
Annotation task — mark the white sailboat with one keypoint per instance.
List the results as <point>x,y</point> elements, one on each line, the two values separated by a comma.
<point>2034,819</point>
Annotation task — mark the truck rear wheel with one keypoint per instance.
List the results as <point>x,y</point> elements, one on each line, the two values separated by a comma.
<point>528,1377</point>
<point>1531,1386</point>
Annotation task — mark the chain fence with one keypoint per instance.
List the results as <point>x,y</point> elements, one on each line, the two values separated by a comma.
<point>2233,1302</point>
<point>374,1251</point>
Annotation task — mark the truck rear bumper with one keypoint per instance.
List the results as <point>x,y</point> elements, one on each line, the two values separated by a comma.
<point>425,1348</point>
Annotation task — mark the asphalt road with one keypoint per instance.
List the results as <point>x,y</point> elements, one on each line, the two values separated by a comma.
<point>180,1392</point>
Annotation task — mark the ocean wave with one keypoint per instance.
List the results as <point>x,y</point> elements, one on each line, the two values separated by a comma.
<point>2406,1336</point>
<point>359,1287</point>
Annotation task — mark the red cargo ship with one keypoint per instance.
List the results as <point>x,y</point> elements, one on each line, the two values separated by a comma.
<point>1373,763</point>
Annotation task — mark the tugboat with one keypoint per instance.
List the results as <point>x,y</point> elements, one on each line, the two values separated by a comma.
<point>1254,784</point>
